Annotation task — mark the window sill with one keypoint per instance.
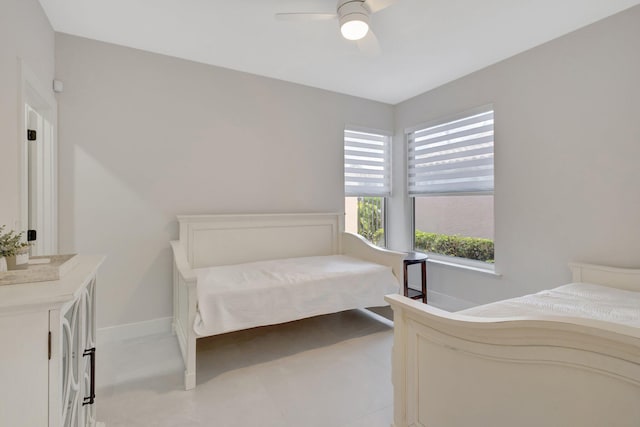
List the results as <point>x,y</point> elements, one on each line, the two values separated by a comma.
<point>470,265</point>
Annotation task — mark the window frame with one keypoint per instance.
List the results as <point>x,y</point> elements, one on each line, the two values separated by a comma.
<point>446,260</point>
<point>451,261</point>
<point>385,198</point>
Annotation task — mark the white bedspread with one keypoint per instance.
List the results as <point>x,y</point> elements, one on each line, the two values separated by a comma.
<point>242,296</point>
<point>581,300</point>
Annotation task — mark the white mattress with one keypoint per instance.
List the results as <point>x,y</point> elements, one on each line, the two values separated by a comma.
<point>242,296</point>
<point>582,300</point>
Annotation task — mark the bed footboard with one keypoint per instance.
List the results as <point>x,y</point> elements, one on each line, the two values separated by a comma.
<point>454,370</point>
<point>184,312</point>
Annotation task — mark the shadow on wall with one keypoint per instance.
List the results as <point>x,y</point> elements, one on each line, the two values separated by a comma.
<point>105,215</point>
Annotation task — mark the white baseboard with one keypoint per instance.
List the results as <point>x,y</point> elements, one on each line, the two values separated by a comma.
<point>136,351</point>
<point>160,326</point>
<point>447,302</point>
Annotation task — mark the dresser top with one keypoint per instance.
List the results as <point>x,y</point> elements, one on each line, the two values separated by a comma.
<point>53,293</point>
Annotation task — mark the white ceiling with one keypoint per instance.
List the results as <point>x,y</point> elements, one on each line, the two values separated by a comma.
<point>423,43</point>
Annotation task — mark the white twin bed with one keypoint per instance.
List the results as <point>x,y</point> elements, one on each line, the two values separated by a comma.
<point>235,272</point>
<point>569,356</point>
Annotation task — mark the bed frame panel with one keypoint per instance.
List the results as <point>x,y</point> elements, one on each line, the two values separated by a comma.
<point>248,238</point>
<point>456,370</point>
<point>211,240</point>
<point>621,278</point>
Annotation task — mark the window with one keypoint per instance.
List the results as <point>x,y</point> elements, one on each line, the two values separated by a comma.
<point>450,177</point>
<point>367,183</point>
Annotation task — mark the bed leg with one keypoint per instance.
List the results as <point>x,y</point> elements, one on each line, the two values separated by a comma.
<point>189,380</point>
<point>190,365</point>
<point>190,360</point>
<point>190,371</point>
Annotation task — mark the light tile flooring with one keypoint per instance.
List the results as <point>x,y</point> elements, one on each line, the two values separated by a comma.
<point>326,371</point>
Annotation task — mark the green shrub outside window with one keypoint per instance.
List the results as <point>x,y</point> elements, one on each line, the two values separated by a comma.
<point>457,246</point>
<point>371,219</point>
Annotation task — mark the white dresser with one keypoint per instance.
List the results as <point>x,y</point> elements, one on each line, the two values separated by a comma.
<point>47,350</point>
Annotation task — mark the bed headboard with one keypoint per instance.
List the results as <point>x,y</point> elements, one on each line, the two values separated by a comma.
<point>621,278</point>
<point>211,240</point>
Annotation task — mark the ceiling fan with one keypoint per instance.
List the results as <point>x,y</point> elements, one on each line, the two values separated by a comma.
<point>353,16</point>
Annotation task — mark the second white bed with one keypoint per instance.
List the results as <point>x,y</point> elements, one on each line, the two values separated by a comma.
<point>569,356</point>
<point>235,297</point>
<point>578,300</point>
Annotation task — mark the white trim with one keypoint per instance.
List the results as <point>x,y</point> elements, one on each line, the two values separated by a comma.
<point>462,263</point>
<point>365,129</point>
<point>450,118</point>
<point>41,98</point>
<point>129,331</point>
<point>462,193</point>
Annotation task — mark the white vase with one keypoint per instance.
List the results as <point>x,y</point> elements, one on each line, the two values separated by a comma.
<point>3,264</point>
<point>21,258</point>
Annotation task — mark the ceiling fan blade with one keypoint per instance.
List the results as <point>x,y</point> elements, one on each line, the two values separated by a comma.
<point>305,16</point>
<point>369,45</point>
<point>377,5</point>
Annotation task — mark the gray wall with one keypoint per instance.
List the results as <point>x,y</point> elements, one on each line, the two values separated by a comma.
<point>144,137</point>
<point>567,144</point>
<point>25,33</point>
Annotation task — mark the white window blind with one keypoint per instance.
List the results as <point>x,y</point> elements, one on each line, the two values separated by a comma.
<point>455,156</point>
<point>367,164</point>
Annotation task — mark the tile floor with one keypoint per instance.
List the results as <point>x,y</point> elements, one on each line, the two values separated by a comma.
<point>328,371</point>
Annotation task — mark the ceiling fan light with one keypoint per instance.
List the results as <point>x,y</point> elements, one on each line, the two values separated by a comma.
<point>354,26</point>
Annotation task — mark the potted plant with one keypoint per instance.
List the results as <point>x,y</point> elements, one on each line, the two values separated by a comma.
<point>3,252</point>
<point>13,250</point>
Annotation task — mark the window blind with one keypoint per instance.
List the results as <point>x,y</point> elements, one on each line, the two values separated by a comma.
<point>367,164</point>
<point>452,157</point>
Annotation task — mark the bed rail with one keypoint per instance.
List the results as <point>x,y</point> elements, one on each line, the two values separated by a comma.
<point>358,247</point>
